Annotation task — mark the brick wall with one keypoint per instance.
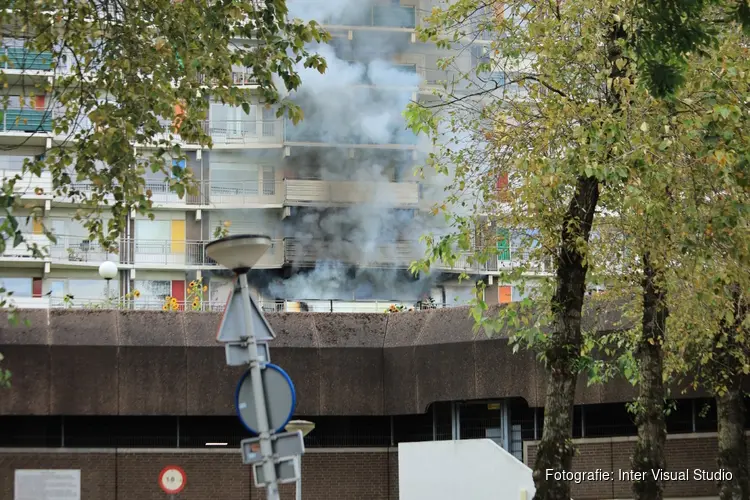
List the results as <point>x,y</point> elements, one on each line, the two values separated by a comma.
<point>683,451</point>
<point>212,475</point>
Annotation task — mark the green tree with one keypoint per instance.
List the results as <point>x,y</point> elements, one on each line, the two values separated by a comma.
<point>141,73</point>
<point>552,110</point>
<point>713,284</point>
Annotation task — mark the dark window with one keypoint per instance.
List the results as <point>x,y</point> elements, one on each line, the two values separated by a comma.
<point>705,418</point>
<point>349,432</point>
<point>521,414</point>
<point>30,431</point>
<point>412,428</point>
<point>196,432</point>
<point>607,420</point>
<point>120,432</point>
<point>680,416</point>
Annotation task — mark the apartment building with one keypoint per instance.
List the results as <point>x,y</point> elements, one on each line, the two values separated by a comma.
<point>336,193</point>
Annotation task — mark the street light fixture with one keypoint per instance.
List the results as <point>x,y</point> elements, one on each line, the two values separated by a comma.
<point>108,270</point>
<point>240,253</point>
<point>305,427</point>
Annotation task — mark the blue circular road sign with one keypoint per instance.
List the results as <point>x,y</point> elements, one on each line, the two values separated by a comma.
<point>281,399</point>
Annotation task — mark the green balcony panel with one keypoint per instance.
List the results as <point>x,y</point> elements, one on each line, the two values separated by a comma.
<point>20,58</point>
<point>26,120</point>
<point>503,244</point>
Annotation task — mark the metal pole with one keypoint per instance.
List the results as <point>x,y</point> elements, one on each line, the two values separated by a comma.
<point>298,489</point>
<point>269,469</point>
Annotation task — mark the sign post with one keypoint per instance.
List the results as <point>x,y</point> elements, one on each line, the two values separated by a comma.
<point>265,397</point>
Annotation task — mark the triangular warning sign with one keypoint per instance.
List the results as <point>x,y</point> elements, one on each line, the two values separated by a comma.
<point>233,328</point>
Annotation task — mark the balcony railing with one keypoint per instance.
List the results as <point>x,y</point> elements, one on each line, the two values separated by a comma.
<point>245,131</point>
<point>29,185</point>
<point>80,250</point>
<point>313,192</point>
<point>384,16</point>
<point>240,193</point>
<point>268,306</point>
<point>26,120</point>
<point>19,58</point>
<point>23,251</point>
<point>343,306</point>
<point>507,259</point>
<point>184,253</point>
<point>308,253</point>
<point>312,132</point>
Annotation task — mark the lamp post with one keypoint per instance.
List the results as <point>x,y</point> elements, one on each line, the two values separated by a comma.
<point>305,427</point>
<point>240,253</point>
<point>108,270</point>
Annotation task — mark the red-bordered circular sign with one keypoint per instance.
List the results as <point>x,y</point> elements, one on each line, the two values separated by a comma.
<point>172,479</point>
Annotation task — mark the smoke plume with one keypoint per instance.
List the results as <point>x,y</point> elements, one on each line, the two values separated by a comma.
<point>355,250</point>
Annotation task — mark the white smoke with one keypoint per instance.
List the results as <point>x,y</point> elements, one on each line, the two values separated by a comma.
<point>360,99</point>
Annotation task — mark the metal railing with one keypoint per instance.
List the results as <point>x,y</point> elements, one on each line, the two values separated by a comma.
<point>141,303</point>
<point>383,16</point>
<point>22,59</point>
<point>192,253</point>
<point>311,192</point>
<point>29,185</point>
<point>267,191</point>
<point>80,250</point>
<point>342,306</point>
<point>244,131</point>
<point>268,306</point>
<point>26,119</point>
<point>184,253</point>
<point>313,132</point>
<point>308,253</point>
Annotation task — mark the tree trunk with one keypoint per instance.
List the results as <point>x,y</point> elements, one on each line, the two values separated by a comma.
<point>730,408</point>
<point>732,448</point>
<point>652,428</point>
<point>555,451</point>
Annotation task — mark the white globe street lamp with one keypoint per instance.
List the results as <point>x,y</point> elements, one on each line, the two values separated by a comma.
<point>305,427</point>
<point>108,270</point>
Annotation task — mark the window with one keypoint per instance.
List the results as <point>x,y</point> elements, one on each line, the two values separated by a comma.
<point>20,287</point>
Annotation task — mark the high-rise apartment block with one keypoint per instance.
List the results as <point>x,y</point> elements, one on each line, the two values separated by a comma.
<point>336,193</point>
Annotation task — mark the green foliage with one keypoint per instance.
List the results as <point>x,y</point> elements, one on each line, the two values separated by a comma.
<point>141,74</point>
<point>671,31</point>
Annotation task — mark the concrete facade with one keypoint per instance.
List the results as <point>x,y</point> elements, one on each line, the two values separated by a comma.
<point>79,362</point>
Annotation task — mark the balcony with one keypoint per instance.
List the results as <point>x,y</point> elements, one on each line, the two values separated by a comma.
<point>78,250</point>
<point>379,16</point>
<point>26,120</point>
<point>242,132</point>
<point>21,59</point>
<point>29,186</point>
<point>318,192</point>
<point>22,252</point>
<point>243,193</point>
<point>180,254</point>
<point>309,131</point>
<point>308,253</point>
<point>506,260</point>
